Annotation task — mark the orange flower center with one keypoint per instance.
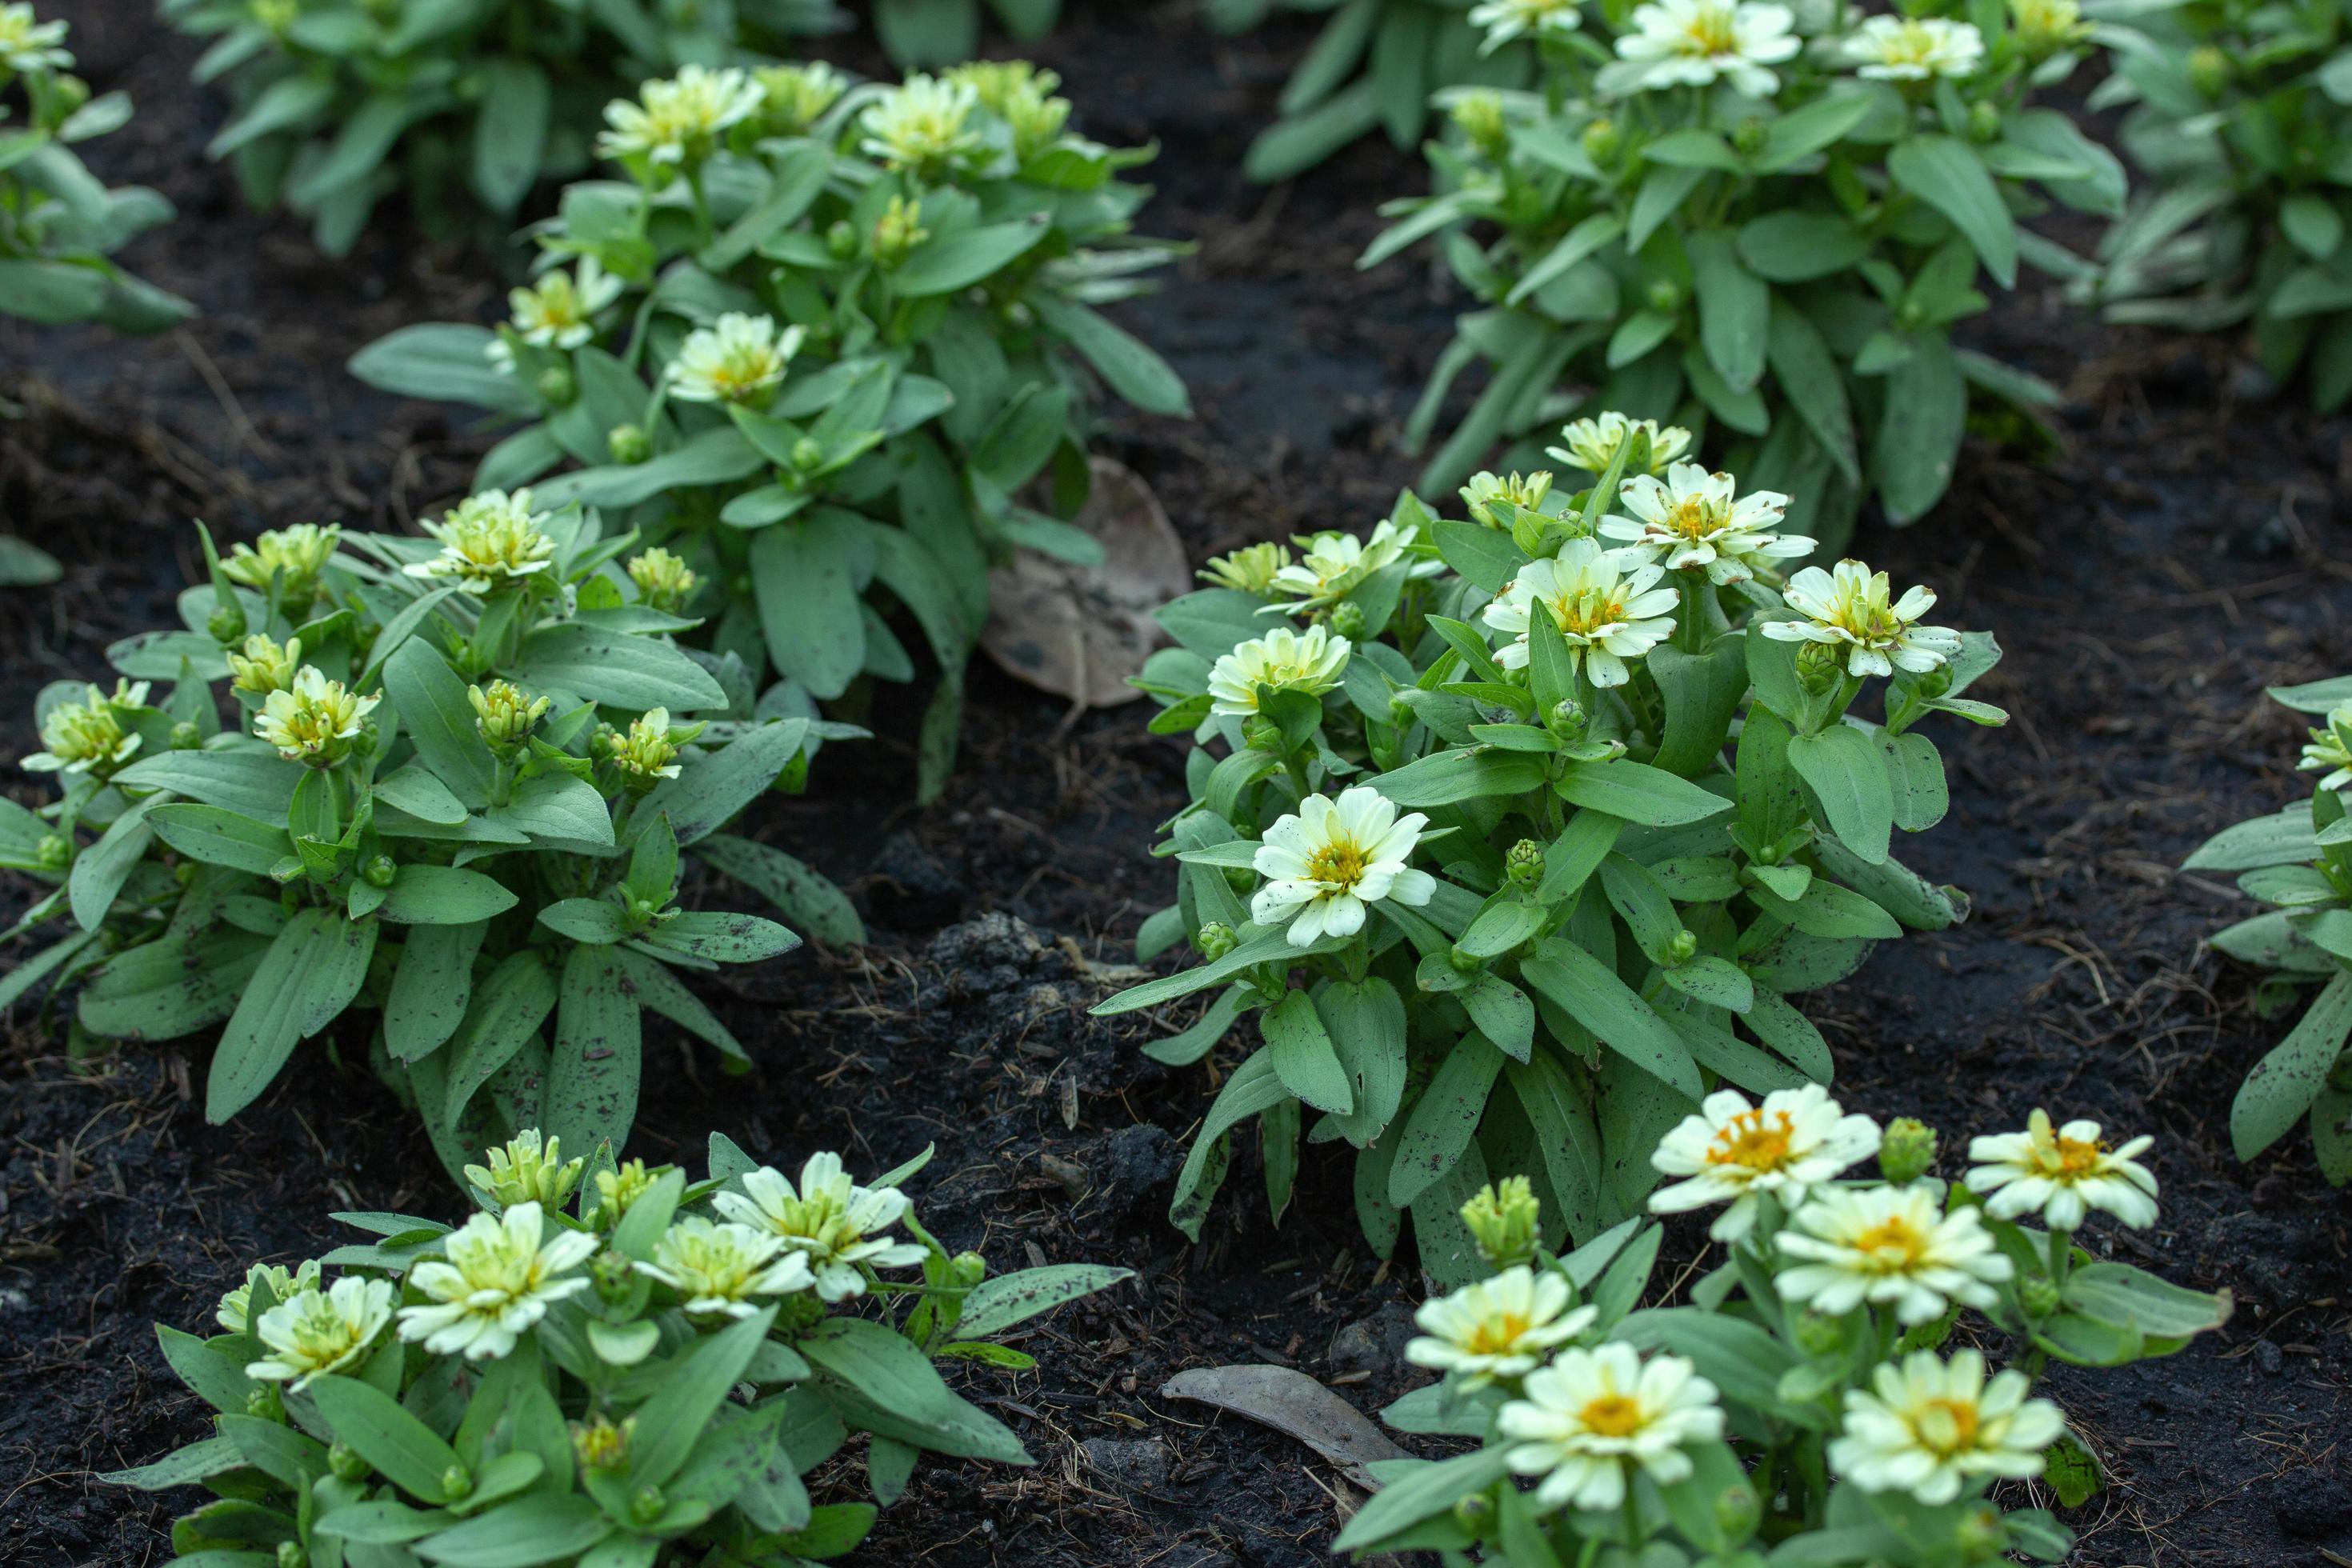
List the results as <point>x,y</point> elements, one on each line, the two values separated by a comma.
<point>2074,1158</point>
<point>1893,1244</point>
<point>1751,1142</point>
<point>1947,1426</point>
<point>1612,1416</point>
<point>1498,1335</point>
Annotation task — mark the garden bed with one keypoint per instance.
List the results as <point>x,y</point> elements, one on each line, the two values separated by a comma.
<point>2182,551</point>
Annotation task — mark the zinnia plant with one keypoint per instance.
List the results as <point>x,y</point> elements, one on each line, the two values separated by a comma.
<point>1516,852</point>
<point>58,226</point>
<point>456,798</point>
<point>1803,1401</point>
<point>1762,224</point>
<point>2299,861</point>
<point>824,350</point>
<point>644,1378</point>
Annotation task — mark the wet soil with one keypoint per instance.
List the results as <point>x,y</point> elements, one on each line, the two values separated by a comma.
<point>2186,546</point>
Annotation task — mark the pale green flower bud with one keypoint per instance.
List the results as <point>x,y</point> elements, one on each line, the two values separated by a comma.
<point>2208,70</point>
<point>1475,1513</point>
<point>648,752</point>
<point>56,852</point>
<point>1818,1334</point>
<point>456,1483</point>
<point>1738,1512</point>
<point>808,455</point>
<point>662,581</point>
<point>1462,961</point>
<point>1664,296</point>
<point>1601,139</point>
<point>225,624</point>
<point>346,1463</point>
<point>291,1554</point>
<point>1750,136</point>
<point>629,443</point>
<point>187,736</point>
<point>263,666</point>
<point>1907,1151</point>
<point>898,232</point>
<point>1479,117</point>
<point>612,1273</point>
<point>1265,735</point>
<point>1524,866</point>
<point>1566,721</point>
<point>1503,1218</point>
<point>1401,712</point>
<point>300,552</point>
<point>2039,1295</point>
<point>262,1403</point>
<point>795,96</point>
<point>966,1270</point>
<point>602,1445</point>
<point>1251,569</point>
<point>380,872</point>
<point>1215,940</point>
<point>646,1506</point>
<point>1681,947</point>
<point>841,240</point>
<point>505,715</point>
<point>557,386</point>
<point>528,1170</point>
<point>1820,668</point>
<point>1984,122</point>
<point>616,1190</point>
<point>1348,620</point>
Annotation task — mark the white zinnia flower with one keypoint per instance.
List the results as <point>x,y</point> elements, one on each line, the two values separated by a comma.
<point>1497,1328</point>
<point>1327,861</point>
<point>925,124</point>
<point>1692,522</point>
<point>300,550</point>
<point>2064,1172</point>
<point>88,736</point>
<point>1930,1428</point>
<point>830,1219</point>
<point>1853,606</point>
<point>1892,1246</point>
<point>29,45</point>
<point>1914,48</point>
<point>1507,21</point>
<point>284,1286</point>
<point>559,311</point>
<point>488,541</point>
<point>1591,444</point>
<point>1308,661</point>
<point>1735,1152</point>
<point>1335,564</point>
<point>314,721</point>
<point>1690,43</point>
<point>1592,1414</point>
<point>314,1332</point>
<point>685,115</point>
<point>2330,750</point>
<point>718,1269</point>
<point>497,1281</point>
<point>739,360</point>
<point>1607,614</point>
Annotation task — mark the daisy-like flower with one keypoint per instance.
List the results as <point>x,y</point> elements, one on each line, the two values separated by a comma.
<point>1914,48</point>
<point>740,360</point>
<point>1607,614</point>
<point>1594,1415</point>
<point>263,665</point>
<point>647,754</point>
<point>29,45</point>
<point>1931,1428</point>
<point>1891,1246</point>
<point>559,311</point>
<point>1853,607</point>
<point>314,1332</point>
<point>301,552</point>
<point>794,97</point>
<point>1692,522</point>
<point>1735,1152</point>
<point>2046,24</point>
<point>284,1285</point>
<point>1308,661</point>
<point>1525,492</point>
<point>1507,21</point>
<point>679,118</point>
<point>497,1281</point>
<point>1253,569</point>
<point>489,542</point>
<point>2063,1172</point>
<point>925,126</point>
<point>1593,443</point>
<point>718,1269</point>
<point>829,1219</point>
<point>314,721</point>
<point>1335,564</point>
<point>664,582</point>
<point>88,736</point>
<point>2330,750</point>
<point>1324,864</point>
<point>1022,96</point>
<point>1499,1328</point>
<point>528,1170</point>
<point>1692,43</point>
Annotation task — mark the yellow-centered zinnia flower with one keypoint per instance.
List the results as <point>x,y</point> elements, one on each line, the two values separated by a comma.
<point>664,582</point>
<point>264,666</point>
<point>314,1332</point>
<point>314,721</point>
<point>1331,860</point>
<point>1308,661</point>
<point>284,1284</point>
<point>1525,492</point>
<point>1931,1428</point>
<point>922,126</point>
<point>1914,48</point>
<point>717,1269</point>
<point>1591,444</point>
<point>1691,521</point>
<point>301,552</point>
<point>88,736</point>
<point>2062,1173</point>
<point>1606,614</point>
<point>489,542</point>
<point>1592,1416</point>
<point>793,97</point>
<point>679,118</point>
<point>1852,608</point>
<point>1253,569</point>
<point>2330,750</point>
<point>559,311</point>
<point>29,45</point>
<point>1499,1328</point>
<point>1891,1246</point>
<point>740,360</point>
<point>496,1282</point>
<point>1735,1152</point>
<point>831,1220</point>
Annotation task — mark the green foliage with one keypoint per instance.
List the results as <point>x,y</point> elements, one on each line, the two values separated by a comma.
<point>829,356</point>
<point>650,1383</point>
<point>2299,861</point>
<point>1640,847</point>
<point>461,805</point>
<point>1770,246</point>
<point>57,223</point>
<point>464,105</point>
<point>2240,116</point>
<point>928,34</point>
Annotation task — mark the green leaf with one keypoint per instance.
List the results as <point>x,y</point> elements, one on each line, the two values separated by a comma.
<point>632,672</point>
<point>884,1384</point>
<point>722,938</point>
<point>995,1305</point>
<point>712,791</point>
<point>443,895</point>
<point>441,362</point>
<point>2284,1084</point>
<point>310,974</point>
<point>1590,992</point>
<point>1253,1087</point>
<point>805,575</point>
<point>1443,1120</point>
<point>259,784</point>
<point>219,837</point>
<point>1303,1056</point>
<point>591,1084</point>
<point>1447,778</point>
<point>510,136</point>
<point>2122,1297</point>
<point>692,1389</point>
<point>384,1433</point>
<point>810,903</point>
<point>1735,309</point>
<point>1637,793</point>
<point>543,1527</point>
<point>431,990</point>
<point>1918,440</point>
<point>435,715</point>
<point>1130,367</point>
<point>1809,376</point>
<point>1847,773</point>
<point>1421,1492</point>
<point>170,987</point>
<point>100,871</point>
<point>1947,174</point>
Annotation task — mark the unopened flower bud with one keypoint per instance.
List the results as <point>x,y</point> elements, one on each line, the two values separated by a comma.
<point>56,852</point>
<point>616,1190</point>
<point>841,240</point>
<point>629,443</point>
<point>456,1483</point>
<point>262,665</point>
<point>1215,940</point>
<point>612,1273</point>
<point>2208,70</point>
<point>1907,1151</point>
<point>1984,122</point>
<point>1664,296</point>
<point>1239,878</point>
<point>600,1444</point>
<point>1601,139</point>
<point>1264,735</point>
<point>1820,667</point>
<point>1750,136</point>
<point>381,871</point>
<point>1401,712</point>
<point>291,1554</point>
<point>1737,1511</point>
<point>966,1270</point>
<point>1979,1533</point>
<point>2038,1294</point>
<point>898,232</point>
<point>1503,1218</point>
<point>345,1461</point>
<point>186,737</point>
<point>1463,960</point>
<point>1566,721</point>
<point>1480,116</point>
<point>1524,866</point>
<point>262,1401</point>
<point>664,582</point>
<point>808,453</point>
<point>225,624</point>
<point>647,1505</point>
<point>1681,947</point>
<point>528,1169</point>
<point>1348,619</point>
<point>1475,1513</point>
<point>1818,1334</point>
<point>556,385</point>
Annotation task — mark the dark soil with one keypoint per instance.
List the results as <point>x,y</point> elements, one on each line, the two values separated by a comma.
<point>2182,550</point>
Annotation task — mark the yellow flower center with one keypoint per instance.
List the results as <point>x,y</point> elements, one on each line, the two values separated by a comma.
<point>1497,1334</point>
<point>2071,1159</point>
<point>1339,862</point>
<point>1612,1416</point>
<point>1751,1142</point>
<point>1947,1426</point>
<point>1587,612</point>
<point>1710,33</point>
<point>1694,518</point>
<point>1894,1243</point>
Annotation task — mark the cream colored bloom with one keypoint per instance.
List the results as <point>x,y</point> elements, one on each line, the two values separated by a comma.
<point>1335,564</point>
<point>559,311</point>
<point>1914,48</point>
<point>302,551</point>
<point>1853,607</point>
<point>2330,750</point>
<point>717,1269</point>
<point>88,736</point>
<point>679,118</point>
<point>828,1219</point>
<point>1308,661</point>
<point>1253,569</point>
<point>740,360</point>
<point>284,1285</point>
<point>2064,1172</point>
<point>1934,1428</point>
<point>314,1332</point>
<point>29,45</point>
<point>1692,43</point>
<point>497,1283</point>
<point>1499,1328</point>
<point>924,126</point>
<point>1735,1152</point>
<point>2045,25</point>
<point>1507,21</point>
<point>528,1170</point>
<point>1327,862</point>
<point>648,752</point>
<point>1592,1415</point>
<point>1591,444</point>
<point>664,582</point>
<point>1525,492</point>
<point>1022,96</point>
<point>793,97</point>
<point>264,666</point>
<point>489,541</point>
<point>1692,522</point>
<point>1890,1247</point>
<point>314,721</point>
<point>1607,604</point>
